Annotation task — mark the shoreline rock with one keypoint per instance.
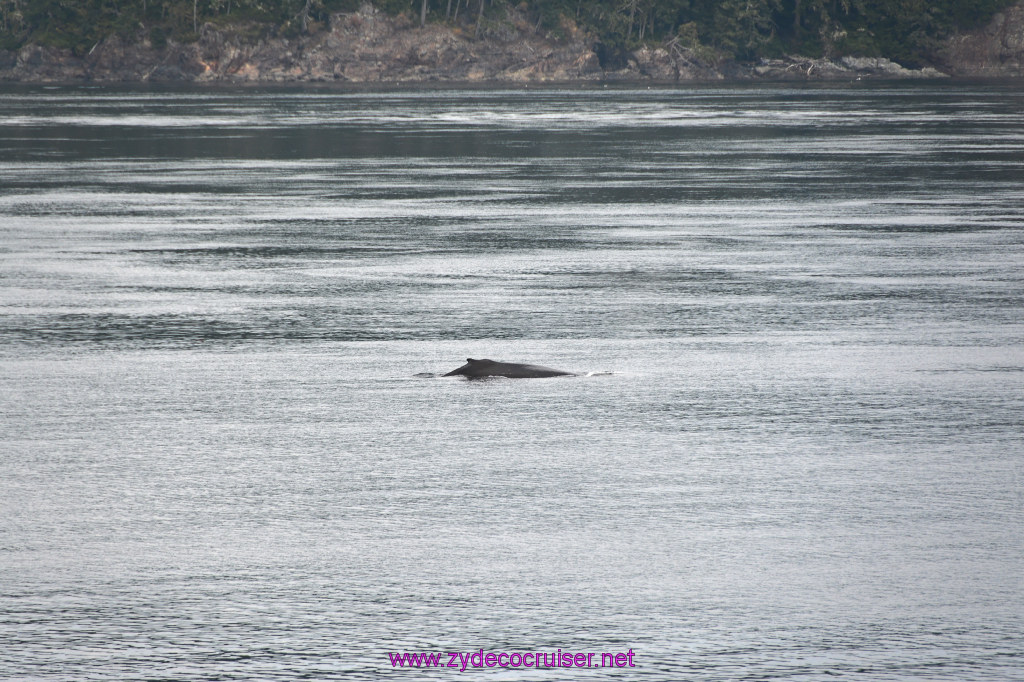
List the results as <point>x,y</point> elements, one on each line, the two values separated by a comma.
<point>846,68</point>
<point>369,47</point>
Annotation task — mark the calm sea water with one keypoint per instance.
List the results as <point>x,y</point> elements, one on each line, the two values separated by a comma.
<point>801,458</point>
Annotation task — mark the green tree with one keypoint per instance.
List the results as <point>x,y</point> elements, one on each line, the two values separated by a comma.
<point>746,28</point>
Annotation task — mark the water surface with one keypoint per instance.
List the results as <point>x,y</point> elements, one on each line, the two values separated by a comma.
<point>805,460</point>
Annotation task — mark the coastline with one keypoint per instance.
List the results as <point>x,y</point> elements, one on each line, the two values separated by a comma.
<point>369,47</point>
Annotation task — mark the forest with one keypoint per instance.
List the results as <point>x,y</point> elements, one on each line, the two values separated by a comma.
<point>907,31</point>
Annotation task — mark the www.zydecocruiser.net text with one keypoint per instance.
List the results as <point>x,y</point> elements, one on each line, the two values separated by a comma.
<point>463,660</point>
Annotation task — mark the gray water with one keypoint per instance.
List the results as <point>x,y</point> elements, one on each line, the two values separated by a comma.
<point>797,455</point>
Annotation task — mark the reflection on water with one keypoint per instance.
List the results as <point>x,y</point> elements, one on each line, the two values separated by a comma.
<point>794,452</point>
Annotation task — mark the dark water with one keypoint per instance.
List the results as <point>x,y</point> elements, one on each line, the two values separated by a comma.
<point>806,463</point>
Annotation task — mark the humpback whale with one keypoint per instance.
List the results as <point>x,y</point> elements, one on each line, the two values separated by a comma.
<point>490,368</point>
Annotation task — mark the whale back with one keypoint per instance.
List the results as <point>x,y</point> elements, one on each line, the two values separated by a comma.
<point>471,368</point>
<point>514,370</point>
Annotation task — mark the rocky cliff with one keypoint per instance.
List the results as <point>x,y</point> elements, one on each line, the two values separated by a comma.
<point>362,47</point>
<point>370,47</point>
<point>995,51</point>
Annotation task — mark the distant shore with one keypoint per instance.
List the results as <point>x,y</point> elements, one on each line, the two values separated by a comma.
<point>369,47</point>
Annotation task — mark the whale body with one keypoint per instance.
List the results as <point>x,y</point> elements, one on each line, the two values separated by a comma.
<point>490,368</point>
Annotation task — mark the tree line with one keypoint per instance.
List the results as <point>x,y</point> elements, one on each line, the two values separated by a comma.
<point>907,31</point>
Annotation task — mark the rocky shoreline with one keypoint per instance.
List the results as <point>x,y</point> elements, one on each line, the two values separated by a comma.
<point>370,47</point>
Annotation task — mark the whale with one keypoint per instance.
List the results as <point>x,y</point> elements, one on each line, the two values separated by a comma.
<point>477,369</point>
